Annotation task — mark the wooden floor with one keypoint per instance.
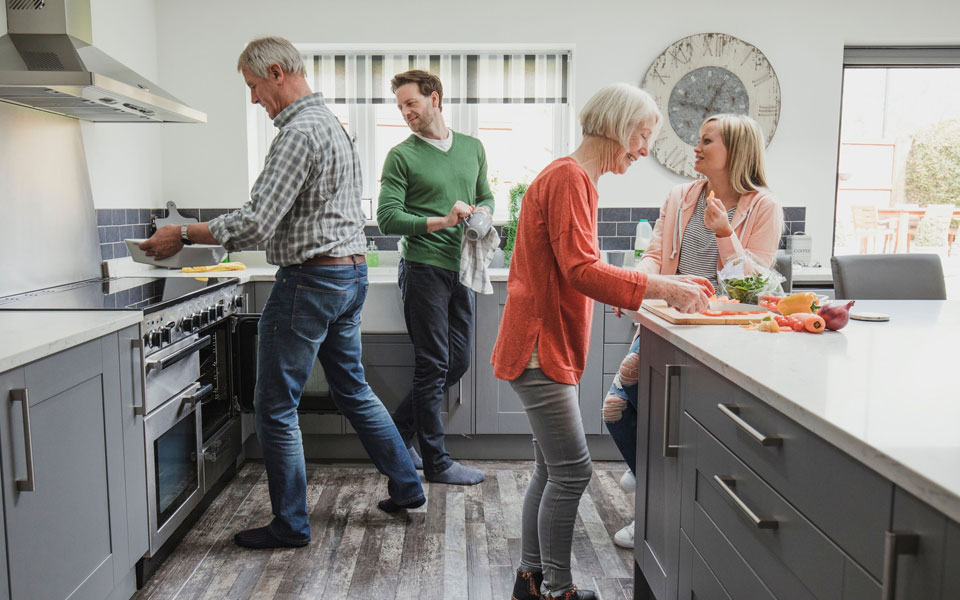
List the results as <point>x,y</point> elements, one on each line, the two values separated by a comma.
<point>464,543</point>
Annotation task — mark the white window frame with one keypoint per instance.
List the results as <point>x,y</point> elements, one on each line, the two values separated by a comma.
<point>463,116</point>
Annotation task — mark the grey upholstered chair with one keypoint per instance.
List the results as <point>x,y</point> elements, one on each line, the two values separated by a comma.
<point>888,277</point>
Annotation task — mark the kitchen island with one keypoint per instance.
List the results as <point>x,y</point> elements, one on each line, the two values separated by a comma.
<point>800,465</point>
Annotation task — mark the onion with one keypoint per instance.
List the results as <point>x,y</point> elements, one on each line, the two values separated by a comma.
<point>835,314</point>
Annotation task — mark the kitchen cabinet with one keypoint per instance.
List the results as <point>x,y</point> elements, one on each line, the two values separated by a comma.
<point>656,533</point>
<point>70,513</point>
<point>388,363</point>
<point>768,509</point>
<point>498,408</point>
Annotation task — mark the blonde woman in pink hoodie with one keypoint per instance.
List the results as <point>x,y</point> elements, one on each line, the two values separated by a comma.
<point>702,226</point>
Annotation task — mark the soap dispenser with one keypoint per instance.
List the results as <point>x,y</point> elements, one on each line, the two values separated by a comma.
<point>373,256</point>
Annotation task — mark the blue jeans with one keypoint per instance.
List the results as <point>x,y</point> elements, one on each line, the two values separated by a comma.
<point>438,311</point>
<point>314,312</point>
<point>620,407</point>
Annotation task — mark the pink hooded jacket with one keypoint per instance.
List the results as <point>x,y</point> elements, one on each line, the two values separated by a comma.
<point>757,227</point>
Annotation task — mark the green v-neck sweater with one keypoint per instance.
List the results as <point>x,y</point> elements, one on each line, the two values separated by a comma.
<point>419,181</point>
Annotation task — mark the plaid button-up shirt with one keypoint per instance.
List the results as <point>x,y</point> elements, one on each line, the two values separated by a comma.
<point>306,201</point>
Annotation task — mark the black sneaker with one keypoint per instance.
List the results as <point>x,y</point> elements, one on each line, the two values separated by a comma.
<point>527,585</point>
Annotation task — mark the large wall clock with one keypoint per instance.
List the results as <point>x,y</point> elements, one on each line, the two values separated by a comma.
<point>706,74</point>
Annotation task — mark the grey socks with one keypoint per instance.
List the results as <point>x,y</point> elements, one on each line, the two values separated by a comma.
<point>457,474</point>
<point>417,461</point>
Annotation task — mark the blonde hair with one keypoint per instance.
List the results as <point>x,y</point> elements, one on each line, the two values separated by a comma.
<point>617,110</point>
<point>263,52</point>
<point>745,151</point>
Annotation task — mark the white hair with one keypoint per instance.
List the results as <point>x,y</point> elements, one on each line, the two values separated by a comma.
<point>263,52</point>
<point>617,110</point>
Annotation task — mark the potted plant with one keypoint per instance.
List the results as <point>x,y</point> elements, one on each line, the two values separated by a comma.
<point>510,229</point>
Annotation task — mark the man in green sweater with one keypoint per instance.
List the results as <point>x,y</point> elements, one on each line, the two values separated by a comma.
<point>430,182</point>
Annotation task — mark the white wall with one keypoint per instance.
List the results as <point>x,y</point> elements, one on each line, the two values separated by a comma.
<point>616,40</point>
<point>123,160</point>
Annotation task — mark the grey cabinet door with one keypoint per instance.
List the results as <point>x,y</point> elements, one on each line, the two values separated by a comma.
<point>657,533</point>
<point>130,382</point>
<point>388,363</point>
<point>498,408</point>
<point>951,576</point>
<point>920,574</point>
<point>10,380</point>
<point>67,537</point>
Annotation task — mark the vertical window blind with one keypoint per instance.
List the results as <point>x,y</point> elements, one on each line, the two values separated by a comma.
<point>355,84</point>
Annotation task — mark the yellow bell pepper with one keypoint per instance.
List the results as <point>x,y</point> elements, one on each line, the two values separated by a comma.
<point>804,302</point>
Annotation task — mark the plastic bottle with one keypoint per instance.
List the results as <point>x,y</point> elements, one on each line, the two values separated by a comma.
<point>373,256</point>
<point>644,236</point>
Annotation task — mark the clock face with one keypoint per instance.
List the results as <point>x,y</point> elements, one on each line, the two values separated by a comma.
<point>703,75</point>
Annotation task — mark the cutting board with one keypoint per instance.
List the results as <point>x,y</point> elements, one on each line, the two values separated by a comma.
<point>668,313</point>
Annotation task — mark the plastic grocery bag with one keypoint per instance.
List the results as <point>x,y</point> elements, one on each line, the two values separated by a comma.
<point>744,279</point>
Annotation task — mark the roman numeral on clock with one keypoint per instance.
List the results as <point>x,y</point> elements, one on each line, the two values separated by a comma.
<point>767,110</point>
<point>763,78</point>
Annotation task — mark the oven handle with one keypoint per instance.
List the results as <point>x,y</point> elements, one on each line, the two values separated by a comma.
<point>165,362</point>
<point>197,395</point>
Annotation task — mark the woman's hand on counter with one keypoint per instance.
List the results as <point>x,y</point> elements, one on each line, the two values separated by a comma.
<point>686,293</point>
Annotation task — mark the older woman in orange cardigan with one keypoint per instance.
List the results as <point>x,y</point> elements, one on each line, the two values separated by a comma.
<point>541,348</point>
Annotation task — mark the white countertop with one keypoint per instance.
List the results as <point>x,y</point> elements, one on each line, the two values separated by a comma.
<point>886,393</point>
<point>257,270</point>
<point>30,335</point>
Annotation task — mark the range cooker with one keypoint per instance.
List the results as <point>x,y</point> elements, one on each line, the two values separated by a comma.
<point>191,423</point>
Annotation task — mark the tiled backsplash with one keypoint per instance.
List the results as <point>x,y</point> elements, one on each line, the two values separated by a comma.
<point>617,226</point>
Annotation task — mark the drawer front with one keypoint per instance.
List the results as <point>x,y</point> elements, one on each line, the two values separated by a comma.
<point>791,557</point>
<point>843,498</point>
<point>696,579</point>
<point>618,330</point>
<point>731,571</point>
<point>612,356</point>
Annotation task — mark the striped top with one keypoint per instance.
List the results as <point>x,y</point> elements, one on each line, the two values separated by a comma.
<point>698,248</point>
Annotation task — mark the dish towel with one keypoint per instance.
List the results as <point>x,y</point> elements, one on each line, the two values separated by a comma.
<point>475,257</point>
<point>229,266</point>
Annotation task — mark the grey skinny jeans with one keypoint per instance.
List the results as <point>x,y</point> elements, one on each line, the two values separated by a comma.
<point>561,474</point>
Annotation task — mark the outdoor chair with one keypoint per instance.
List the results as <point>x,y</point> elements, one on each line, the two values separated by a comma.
<point>867,225</point>
<point>936,224</point>
<point>888,277</point>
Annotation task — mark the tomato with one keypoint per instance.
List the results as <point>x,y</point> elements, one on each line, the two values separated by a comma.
<point>712,313</point>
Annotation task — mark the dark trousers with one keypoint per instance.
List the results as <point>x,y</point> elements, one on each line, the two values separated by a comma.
<point>438,310</point>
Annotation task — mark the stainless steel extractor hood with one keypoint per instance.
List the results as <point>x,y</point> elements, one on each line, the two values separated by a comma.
<point>48,62</point>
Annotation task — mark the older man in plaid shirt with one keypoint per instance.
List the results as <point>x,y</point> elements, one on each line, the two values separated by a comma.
<point>306,206</point>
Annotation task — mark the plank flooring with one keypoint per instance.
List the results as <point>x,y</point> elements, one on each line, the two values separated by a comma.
<point>464,544</point>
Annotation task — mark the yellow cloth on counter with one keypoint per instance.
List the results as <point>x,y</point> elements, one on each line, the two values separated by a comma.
<point>228,266</point>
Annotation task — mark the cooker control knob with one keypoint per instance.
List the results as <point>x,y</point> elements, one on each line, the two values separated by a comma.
<point>212,313</point>
<point>155,339</point>
<point>220,310</point>
<point>204,316</point>
<point>186,324</point>
<point>146,340</point>
<point>238,301</point>
<point>166,334</point>
<point>197,322</point>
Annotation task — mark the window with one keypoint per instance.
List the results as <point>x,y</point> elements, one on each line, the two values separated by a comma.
<point>898,184</point>
<point>516,103</point>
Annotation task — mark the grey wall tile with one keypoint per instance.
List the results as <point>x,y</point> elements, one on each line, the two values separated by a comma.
<point>614,214</point>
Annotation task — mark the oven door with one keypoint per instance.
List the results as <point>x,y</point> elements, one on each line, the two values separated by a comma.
<point>174,471</point>
<point>316,393</point>
<point>171,369</point>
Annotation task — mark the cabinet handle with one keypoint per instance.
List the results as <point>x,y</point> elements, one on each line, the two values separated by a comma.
<point>727,484</point>
<point>668,448</point>
<point>733,412</point>
<point>142,409</point>
<point>30,483</point>
<point>179,355</point>
<point>895,544</point>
